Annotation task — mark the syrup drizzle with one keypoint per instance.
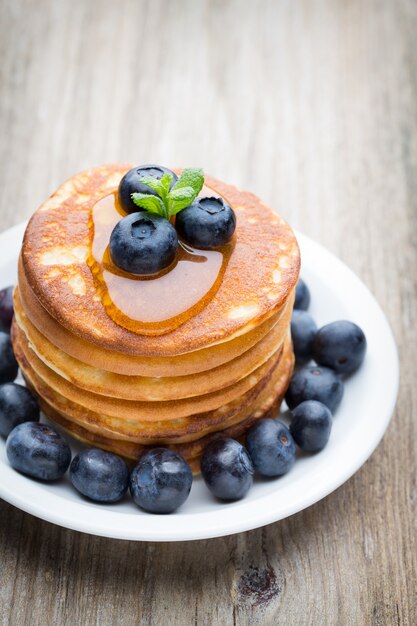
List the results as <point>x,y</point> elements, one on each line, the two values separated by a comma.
<point>151,305</point>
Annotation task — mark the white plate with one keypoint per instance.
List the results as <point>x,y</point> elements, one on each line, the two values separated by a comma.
<point>359,424</point>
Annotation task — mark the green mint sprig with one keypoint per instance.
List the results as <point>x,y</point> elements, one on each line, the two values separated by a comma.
<point>169,202</point>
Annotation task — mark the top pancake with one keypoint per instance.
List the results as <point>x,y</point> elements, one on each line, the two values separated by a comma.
<point>262,270</point>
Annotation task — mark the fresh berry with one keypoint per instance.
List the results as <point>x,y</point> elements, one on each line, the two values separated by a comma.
<point>17,405</point>
<point>302,296</point>
<point>8,363</point>
<point>161,481</point>
<point>311,425</point>
<point>143,243</point>
<point>341,346</point>
<point>99,475</point>
<point>6,308</point>
<point>303,332</point>
<point>315,383</point>
<point>271,447</point>
<point>227,469</point>
<point>37,450</point>
<point>206,223</point>
<point>131,183</point>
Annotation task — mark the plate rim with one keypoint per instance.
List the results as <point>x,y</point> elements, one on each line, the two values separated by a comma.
<point>236,523</point>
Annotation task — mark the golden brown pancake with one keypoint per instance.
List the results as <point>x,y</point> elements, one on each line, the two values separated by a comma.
<point>181,365</point>
<point>128,409</point>
<point>264,404</point>
<point>151,388</point>
<point>190,428</point>
<point>259,277</point>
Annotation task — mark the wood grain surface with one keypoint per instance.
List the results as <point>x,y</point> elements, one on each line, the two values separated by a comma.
<point>312,104</point>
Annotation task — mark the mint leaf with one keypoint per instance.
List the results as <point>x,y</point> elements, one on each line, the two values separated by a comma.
<point>161,186</point>
<point>182,194</point>
<point>166,182</point>
<point>169,202</point>
<point>179,199</point>
<point>191,177</point>
<point>154,184</point>
<point>153,204</point>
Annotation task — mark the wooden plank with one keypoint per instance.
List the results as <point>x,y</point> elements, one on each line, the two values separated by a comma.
<point>312,105</point>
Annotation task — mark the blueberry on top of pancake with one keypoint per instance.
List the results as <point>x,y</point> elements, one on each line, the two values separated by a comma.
<point>132,183</point>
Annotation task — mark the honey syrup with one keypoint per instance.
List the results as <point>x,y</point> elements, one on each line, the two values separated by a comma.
<point>157,304</point>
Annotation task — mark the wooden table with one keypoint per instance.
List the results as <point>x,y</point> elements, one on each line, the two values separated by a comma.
<point>313,105</point>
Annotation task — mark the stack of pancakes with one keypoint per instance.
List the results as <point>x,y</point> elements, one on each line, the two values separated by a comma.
<point>113,388</point>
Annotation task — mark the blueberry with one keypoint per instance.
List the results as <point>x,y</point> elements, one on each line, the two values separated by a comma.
<point>99,475</point>
<point>8,363</point>
<point>6,308</point>
<point>206,223</point>
<point>303,332</point>
<point>302,296</point>
<point>341,346</point>
<point>161,481</point>
<point>311,425</point>
<point>130,183</point>
<point>37,450</point>
<point>227,469</point>
<point>271,447</point>
<point>143,243</point>
<point>315,383</point>
<point>17,405</point>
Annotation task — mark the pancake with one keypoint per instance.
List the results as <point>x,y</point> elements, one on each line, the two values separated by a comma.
<point>136,430</point>
<point>150,388</point>
<point>182,365</point>
<point>266,405</point>
<point>129,410</point>
<point>260,275</point>
<point>239,417</point>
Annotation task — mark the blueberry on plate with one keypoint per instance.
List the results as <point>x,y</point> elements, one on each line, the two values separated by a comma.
<point>315,383</point>
<point>38,450</point>
<point>302,296</point>
<point>303,332</point>
<point>227,469</point>
<point>99,475</point>
<point>6,308</point>
<point>143,243</point>
<point>131,183</point>
<point>340,345</point>
<point>8,363</point>
<point>311,425</point>
<point>206,223</point>
<point>161,481</point>
<point>17,405</point>
<point>271,447</point>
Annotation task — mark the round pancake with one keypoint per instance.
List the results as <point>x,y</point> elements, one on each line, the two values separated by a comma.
<point>131,410</point>
<point>139,431</point>
<point>261,273</point>
<point>125,364</point>
<point>180,430</point>
<point>266,405</point>
<point>146,388</point>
